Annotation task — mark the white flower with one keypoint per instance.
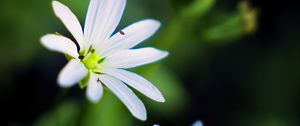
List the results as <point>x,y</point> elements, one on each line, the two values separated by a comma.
<point>103,57</point>
<point>198,123</point>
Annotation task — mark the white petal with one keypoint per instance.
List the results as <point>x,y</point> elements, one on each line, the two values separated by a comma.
<point>137,82</point>
<point>69,20</point>
<point>60,44</point>
<point>198,123</point>
<point>133,57</point>
<point>72,73</point>
<point>133,35</point>
<point>126,95</point>
<point>102,18</point>
<point>94,90</point>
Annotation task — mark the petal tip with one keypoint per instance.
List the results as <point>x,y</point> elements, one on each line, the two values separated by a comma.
<point>62,83</point>
<point>55,3</point>
<point>154,21</point>
<point>142,117</point>
<point>161,99</point>
<point>140,114</point>
<point>93,100</point>
<point>165,53</point>
<point>158,24</point>
<point>45,38</point>
<point>42,40</point>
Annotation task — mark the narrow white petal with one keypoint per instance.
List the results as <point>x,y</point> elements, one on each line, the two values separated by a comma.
<point>130,36</point>
<point>69,20</point>
<point>102,18</point>
<point>137,82</point>
<point>133,57</point>
<point>60,44</point>
<point>72,73</point>
<point>126,95</point>
<point>94,90</point>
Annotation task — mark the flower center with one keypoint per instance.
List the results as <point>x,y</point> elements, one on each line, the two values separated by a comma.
<point>92,62</point>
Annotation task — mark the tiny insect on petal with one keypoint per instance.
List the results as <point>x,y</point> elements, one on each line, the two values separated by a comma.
<point>121,32</point>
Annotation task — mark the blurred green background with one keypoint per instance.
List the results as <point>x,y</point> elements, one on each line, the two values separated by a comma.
<point>231,63</point>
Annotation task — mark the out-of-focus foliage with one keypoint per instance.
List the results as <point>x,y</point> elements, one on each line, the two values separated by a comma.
<point>21,28</point>
<point>233,25</point>
<point>172,89</point>
<point>197,9</point>
<point>108,112</point>
<point>65,114</point>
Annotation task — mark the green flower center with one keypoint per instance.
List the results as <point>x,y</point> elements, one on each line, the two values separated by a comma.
<point>92,61</point>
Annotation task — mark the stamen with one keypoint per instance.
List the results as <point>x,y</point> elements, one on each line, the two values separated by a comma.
<point>98,80</point>
<point>93,51</point>
<point>58,34</point>
<point>121,32</point>
<point>89,48</point>
<point>100,61</point>
<point>81,57</point>
<point>97,72</point>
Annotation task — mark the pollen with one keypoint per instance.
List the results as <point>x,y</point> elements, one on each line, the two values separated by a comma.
<point>81,57</point>
<point>93,51</point>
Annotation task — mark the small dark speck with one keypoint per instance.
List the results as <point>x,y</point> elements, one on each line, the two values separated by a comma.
<point>81,57</point>
<point>121,32</point>
<point>98,80</point>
